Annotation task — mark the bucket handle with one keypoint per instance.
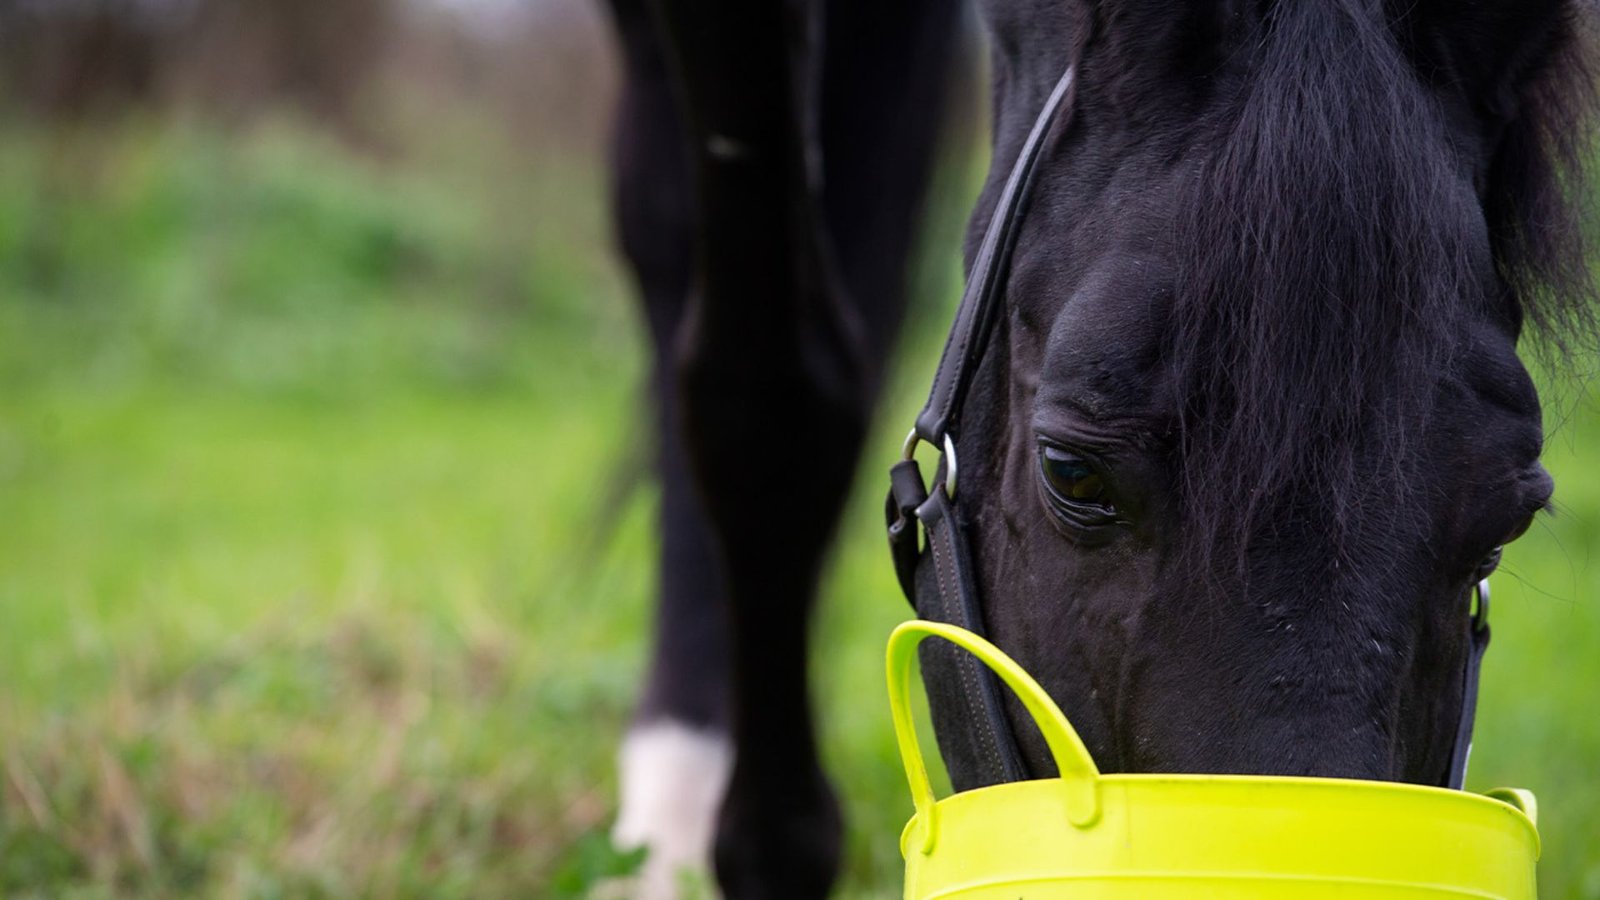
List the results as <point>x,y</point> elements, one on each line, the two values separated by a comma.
<point>1521,800</point>
<point>1079,775</point>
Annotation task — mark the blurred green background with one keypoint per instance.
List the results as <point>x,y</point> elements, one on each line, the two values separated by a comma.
<point>327,534</point>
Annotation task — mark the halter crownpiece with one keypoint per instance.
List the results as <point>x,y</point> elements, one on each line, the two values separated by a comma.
<point>936,572</point>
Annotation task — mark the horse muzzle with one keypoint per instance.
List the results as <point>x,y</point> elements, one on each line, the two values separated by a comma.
<point>1088,835</point>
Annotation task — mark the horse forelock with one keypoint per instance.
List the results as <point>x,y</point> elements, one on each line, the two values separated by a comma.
<point>1326,262</point>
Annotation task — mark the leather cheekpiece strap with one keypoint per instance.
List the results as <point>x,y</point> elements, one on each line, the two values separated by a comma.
<point>986,283</point>
<point>974,735</point>
<point>906,493</point>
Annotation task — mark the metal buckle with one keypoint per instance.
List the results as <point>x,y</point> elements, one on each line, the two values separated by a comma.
<point>908,452</point>
<point>1480,612</point>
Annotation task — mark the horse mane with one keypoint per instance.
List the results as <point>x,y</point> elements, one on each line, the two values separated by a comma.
<point>1540,213</point>
<point>1325,268</point>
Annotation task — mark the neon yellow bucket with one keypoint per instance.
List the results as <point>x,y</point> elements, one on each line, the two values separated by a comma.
<point>1088,835</point>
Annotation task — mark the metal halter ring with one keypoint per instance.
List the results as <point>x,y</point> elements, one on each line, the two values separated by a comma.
<point>908,452</point>
<point>1480,615</point>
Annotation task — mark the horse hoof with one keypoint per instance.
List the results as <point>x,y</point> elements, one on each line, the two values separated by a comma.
<point>782,843</point>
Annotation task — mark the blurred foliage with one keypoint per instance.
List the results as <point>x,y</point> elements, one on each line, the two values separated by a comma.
<point>541,68</point>
<point>254,390</point>
<point>74,58</point>
<point>591,862</point>
<point>266,261</point>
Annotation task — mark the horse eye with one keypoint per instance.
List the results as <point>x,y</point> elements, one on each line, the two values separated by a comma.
<point>1077,488</point>
<point>1072,478</point>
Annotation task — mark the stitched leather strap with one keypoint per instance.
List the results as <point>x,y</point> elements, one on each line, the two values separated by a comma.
<point>986,283</point>
<point>938,578</point>
<point>975,739</point>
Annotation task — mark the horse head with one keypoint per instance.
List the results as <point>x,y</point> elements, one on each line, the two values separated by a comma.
<point>1250,421</point>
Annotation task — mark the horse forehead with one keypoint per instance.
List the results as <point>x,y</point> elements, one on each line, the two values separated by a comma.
<point>1101,352</point>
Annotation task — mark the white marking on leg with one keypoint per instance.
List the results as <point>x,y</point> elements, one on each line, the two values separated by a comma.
<point>672,780</point>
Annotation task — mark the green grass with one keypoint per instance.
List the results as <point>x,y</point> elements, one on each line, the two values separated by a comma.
<point>325,560</point>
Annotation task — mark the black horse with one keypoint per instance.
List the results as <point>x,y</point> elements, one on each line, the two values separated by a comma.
<point>1248,426</point>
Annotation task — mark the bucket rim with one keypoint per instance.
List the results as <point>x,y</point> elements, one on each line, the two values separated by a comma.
<point>1499,802</point>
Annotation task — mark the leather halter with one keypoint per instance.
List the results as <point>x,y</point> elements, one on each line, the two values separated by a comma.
<point>937,574</point>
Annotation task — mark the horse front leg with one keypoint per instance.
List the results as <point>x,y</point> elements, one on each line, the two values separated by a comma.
<point>768,376</point>
<point>674,763</point>
<point>774,405</point>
